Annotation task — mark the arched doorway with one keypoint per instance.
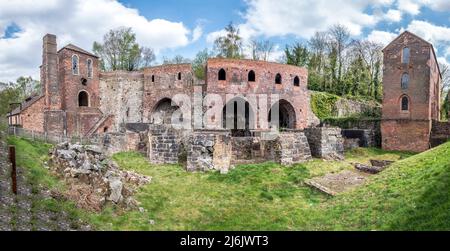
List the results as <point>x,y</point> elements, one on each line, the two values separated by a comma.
<point>238,116</point>
<point>163,111</point>
<point>286,115</point>
<point>83,99</point>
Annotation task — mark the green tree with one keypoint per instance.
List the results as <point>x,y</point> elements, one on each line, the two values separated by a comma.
<point>199,64</point>
<point>230,44</point>
<point>297,55</point>
<point>120,51</point>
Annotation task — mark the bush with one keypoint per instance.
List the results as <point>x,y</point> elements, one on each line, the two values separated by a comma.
<point>322,104</point>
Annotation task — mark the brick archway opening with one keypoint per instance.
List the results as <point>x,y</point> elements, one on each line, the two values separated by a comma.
<point>83,99</point>
<point>238,117</point>
<point>163,111</point>
<point>286,115</point>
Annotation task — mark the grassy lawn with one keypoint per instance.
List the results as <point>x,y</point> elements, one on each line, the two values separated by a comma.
<point>412,194</point>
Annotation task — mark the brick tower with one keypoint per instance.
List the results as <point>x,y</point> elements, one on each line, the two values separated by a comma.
<point>411,99</point>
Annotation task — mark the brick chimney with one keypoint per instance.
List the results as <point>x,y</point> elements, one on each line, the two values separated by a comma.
<point>49,73</point>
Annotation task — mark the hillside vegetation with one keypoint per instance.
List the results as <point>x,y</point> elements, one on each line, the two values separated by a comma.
<point>413,194</point>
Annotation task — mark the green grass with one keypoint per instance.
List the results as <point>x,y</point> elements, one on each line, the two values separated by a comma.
<point>413,194</point>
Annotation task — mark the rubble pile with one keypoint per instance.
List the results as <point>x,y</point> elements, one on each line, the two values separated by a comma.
<point>93,179</point>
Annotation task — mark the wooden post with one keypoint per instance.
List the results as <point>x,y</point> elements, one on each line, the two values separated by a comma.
<point>12,158</point>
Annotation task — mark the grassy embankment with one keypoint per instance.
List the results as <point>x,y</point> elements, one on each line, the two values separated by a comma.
<point>413,194</point>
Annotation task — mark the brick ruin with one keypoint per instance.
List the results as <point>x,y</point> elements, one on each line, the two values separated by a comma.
<point>136,110</point>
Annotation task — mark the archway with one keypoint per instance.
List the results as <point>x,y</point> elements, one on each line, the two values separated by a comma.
<point>240,117</point>
<point>163,111</point>
<point>287,118</point>
<point>83,99</point>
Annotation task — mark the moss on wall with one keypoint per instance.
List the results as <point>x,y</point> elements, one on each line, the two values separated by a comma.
<point>322,104</point>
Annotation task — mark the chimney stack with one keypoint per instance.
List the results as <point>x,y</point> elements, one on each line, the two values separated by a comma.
<point>49,70</point>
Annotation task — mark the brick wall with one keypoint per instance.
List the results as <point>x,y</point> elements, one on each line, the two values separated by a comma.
<point>237,83</point>
<point>32,118</point>
<point>406,135</point>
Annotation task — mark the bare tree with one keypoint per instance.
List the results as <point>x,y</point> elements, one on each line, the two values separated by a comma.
<point>340,37</point>
<point>261,50</point>
<point>318,47</point>
<point>445,72</point>
<point>372,55</point>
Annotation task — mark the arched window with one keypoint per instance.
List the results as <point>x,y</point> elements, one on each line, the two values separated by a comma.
<point>251,76</point>
<point>75,70</point>
<point>153,78</point>
<point>222,75</point>
<point>296,81</point>
<point>278,79</point>
<point>405,55</point>
<point>179,75</point>
<point>83,99</point>
<point>89,68</point>
<point>405,81</point>
<point>405,104</point>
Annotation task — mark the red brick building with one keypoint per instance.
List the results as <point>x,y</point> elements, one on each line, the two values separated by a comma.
<point>79,100</point>
<point>411,97</point>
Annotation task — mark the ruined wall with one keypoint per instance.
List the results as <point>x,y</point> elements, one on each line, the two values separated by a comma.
<point>294,148</point>
<point>237,82</point>
<point>121,95</point>
<point>325,142</point>
<point>440,133</point>
<point>162,82</point>
<point>163,147</point>
<point>209,151</point>
<point>347,108</point>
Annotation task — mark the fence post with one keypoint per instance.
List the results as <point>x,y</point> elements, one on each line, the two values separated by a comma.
<point>12,158</point>
<point>14,131</point>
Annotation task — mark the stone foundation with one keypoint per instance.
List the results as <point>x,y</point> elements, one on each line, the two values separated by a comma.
<point>325,142</point>
<point>163,146</point>
<point>209,150</point>
<point>294,148</point>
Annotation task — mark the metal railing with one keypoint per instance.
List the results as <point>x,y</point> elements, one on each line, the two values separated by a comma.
<point>53,138</point>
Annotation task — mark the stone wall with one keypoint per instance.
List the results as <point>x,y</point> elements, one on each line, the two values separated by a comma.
<point>163,145</point>
<point>294,148</point>
<point>440,133</point>
<point>347,108</point>
<point>325,142</point>
<point>366,137</point>
<point>121,95</point>
<point>209,151</point>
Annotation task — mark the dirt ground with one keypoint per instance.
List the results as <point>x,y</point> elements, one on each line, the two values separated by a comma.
<point>21,212</point>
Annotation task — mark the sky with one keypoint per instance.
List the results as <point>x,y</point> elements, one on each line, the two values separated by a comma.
<point>184,27</point>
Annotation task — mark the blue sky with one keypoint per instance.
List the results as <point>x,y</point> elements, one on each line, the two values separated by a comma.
<point>184,27</point>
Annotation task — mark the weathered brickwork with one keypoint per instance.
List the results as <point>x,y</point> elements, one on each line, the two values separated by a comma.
<point>163,145</point>
<point>408,109</point>
<point>237,81</point>
<point>33,116</point>
<point>325,142</point>
<point>209,151</point>
<point>121,95</point>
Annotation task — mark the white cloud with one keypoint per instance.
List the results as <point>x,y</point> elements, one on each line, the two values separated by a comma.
<point>393,15</point>
<point>430,32</point>
<point>304,18</point>
<point>381,37</point>
<point>79,22</point>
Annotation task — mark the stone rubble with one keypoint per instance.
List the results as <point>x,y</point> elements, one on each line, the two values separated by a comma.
<point>93,179</point>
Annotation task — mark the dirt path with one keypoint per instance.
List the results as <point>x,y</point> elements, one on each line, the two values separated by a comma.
<point>22,212</point>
